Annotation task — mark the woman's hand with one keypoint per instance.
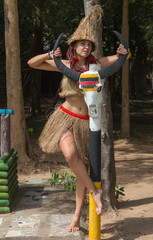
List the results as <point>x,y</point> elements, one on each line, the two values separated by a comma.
<point>56,53</point>
<point>121,50</point>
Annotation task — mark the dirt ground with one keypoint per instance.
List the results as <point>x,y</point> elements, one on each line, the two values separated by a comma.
<point>134,170</point>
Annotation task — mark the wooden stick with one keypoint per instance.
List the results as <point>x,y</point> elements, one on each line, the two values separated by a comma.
<point>5,134</point>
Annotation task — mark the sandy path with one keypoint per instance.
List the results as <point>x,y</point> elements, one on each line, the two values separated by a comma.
<point>134,168</point>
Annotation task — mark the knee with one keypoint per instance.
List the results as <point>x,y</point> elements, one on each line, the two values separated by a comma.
<point>69,149</point>
<point>71,158</point>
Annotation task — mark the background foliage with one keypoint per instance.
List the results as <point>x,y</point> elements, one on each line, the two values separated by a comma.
<point>46,19</point>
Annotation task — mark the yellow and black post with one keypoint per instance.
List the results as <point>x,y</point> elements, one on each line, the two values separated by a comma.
<point>95,174</point>
<point>91,86</point>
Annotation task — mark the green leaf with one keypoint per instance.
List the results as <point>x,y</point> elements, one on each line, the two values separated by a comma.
<point>116,185</point>
<point>120,193</point>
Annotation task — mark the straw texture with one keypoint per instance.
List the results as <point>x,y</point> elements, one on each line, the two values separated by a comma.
<point>86,26</point>
<point>58,124</point>
<point>69,88</point>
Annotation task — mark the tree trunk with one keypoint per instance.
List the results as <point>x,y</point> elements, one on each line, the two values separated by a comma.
<point>107,156</point>
<point>88,4</point>
<point>37,49</point>
<point>108,161</point>
<point>13,79</point>
<point>125,120</point>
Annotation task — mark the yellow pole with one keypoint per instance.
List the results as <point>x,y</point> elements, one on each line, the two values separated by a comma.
<point>94,219</point>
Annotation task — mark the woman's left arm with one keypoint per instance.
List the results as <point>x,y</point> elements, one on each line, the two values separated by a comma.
<point>107,61</point>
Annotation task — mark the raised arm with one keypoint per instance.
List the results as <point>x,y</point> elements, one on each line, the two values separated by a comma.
<point>107,61</point>
<point>45,61</point>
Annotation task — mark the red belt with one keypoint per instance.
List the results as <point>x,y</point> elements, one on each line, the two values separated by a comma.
<point>73,114</point>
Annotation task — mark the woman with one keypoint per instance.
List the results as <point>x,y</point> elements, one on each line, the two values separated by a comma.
<point>68,126</point>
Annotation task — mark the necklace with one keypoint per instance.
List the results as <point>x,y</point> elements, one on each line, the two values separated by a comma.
<point>82,68</point>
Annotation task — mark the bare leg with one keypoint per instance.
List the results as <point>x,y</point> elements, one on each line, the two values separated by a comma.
<point>68,147</point>
<point>80,196</point>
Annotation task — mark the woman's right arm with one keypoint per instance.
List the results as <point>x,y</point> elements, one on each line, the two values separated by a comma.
<point>43,62</point>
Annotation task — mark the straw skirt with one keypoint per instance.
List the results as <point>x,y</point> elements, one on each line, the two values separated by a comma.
<point>59,123</point>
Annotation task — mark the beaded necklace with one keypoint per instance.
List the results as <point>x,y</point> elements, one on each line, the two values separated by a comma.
<point>82,70</point>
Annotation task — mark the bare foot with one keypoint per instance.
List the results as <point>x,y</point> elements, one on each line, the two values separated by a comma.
<point>74,226</point>
<point>97,195</point>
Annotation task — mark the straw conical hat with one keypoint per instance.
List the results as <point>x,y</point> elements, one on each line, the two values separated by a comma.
<point>85,28</point>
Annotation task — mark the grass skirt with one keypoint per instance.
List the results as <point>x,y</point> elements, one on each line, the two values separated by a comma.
<point>59,123</point>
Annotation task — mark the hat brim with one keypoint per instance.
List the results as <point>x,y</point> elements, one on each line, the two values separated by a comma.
<point>72,40</point>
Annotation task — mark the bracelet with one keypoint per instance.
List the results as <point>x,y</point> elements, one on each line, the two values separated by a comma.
<point>49,55</point>
<point>95,189</point>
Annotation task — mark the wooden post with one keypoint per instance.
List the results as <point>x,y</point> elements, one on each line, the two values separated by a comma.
<point>5,134</point>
